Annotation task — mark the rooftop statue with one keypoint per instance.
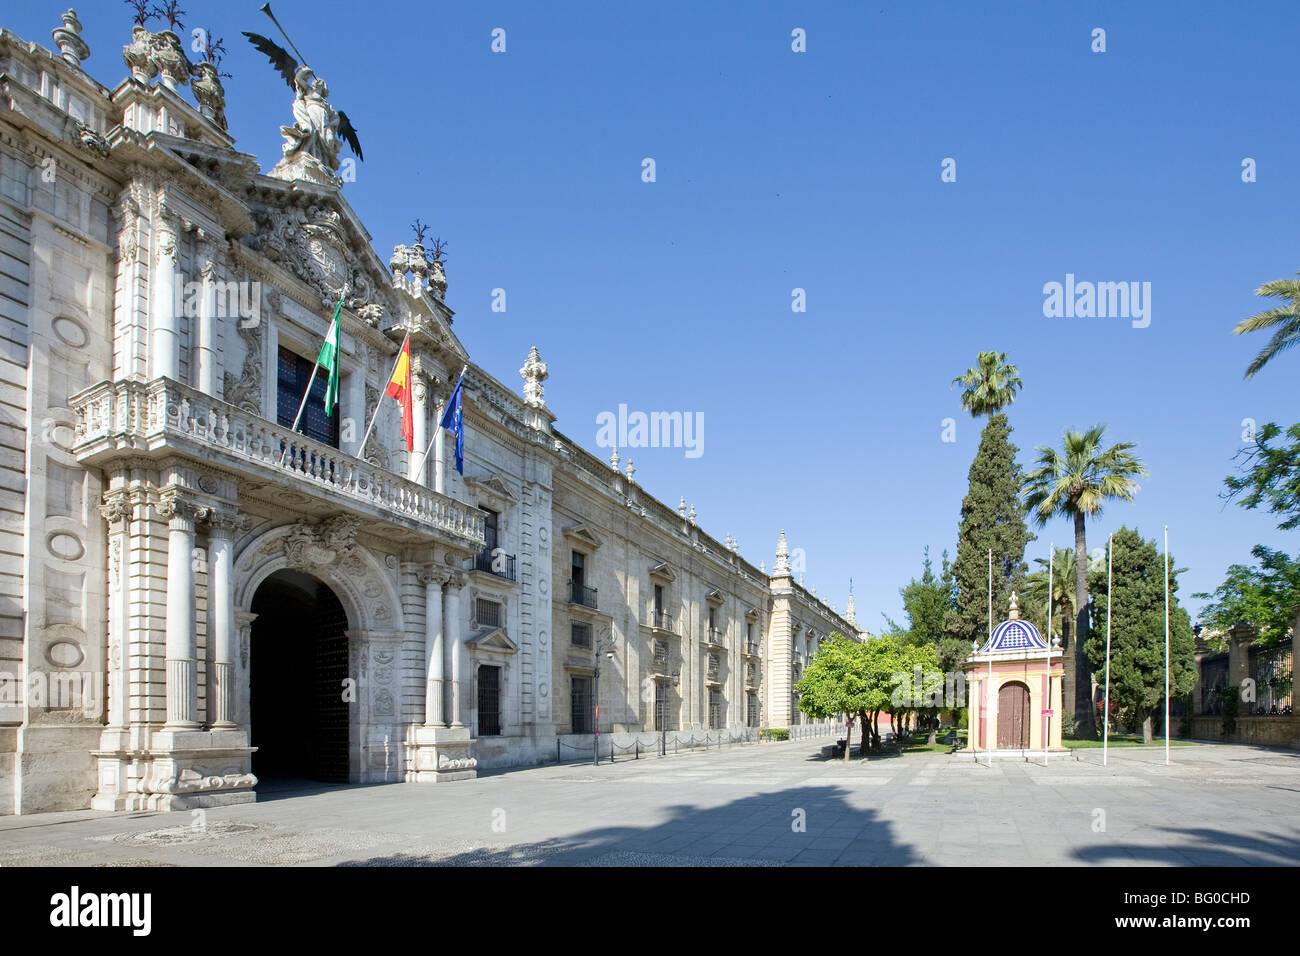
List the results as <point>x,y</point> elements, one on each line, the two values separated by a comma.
<point>311,145</point>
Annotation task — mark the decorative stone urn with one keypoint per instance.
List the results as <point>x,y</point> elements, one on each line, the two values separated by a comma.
<point>210,93</point>
<point>138,55</point>
<point>168,54</point>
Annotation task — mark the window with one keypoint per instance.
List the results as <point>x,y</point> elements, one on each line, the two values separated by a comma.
<point>489,701</point>
<point>715,710</point>
<point>580,695</point>
<point>294,373</point>
<point>580,635</point>
<point>579,568</point>
<point>663,717</point>
<point>715,663</point>
<point>490,526</point>
<point>751,710</point>
<point>751,646</point>
<point>487,613</point>
<point>661,653</point>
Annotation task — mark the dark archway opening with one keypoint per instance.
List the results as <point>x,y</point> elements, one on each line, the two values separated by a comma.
<point>299,663</point>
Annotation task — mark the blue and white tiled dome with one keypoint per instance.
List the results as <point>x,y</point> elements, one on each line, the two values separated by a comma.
<point>1014,634</point>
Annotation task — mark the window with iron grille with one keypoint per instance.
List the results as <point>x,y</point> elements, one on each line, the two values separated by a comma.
<point>751,710</point>
<point>663,700</point>
<point>580,705</point>
<point>715,710</point>
<point>714,664</point>
<point>580,634</point>
<point>661,653</point>
<point>751,674</point>
<point>489,701</point>
<point>294,372</point>
<point>487,613</point>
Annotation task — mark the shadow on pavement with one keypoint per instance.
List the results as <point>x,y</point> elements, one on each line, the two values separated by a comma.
<point>757,830</point>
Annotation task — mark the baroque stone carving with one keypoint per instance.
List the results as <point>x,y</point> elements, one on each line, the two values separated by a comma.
<point>313,244</point>
<point>191,781</point>
<point>331,542</point>
<point>534,373</point>
<point>210,93</point>
<point>246,390</point>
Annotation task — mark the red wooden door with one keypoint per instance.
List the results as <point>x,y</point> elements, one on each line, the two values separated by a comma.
<point>1013,716</point>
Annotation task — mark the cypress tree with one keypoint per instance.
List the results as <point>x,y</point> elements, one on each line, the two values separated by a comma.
<point>992,516</point>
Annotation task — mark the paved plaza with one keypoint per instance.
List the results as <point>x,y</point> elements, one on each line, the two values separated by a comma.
<point>1217,804</point>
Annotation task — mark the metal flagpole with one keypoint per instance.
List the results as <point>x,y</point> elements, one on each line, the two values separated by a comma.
<point>1047,704</point>
<point>1166,645</point>
<point>1105,716</point>
<point>436,432</point>
<point>988,684</point>
<point>316,365</point>
<point>379,404</point>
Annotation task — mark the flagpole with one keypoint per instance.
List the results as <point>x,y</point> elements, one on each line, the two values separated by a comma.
<point>1110,596</point>
<point>1051,591</point>
<point>379,404</point>
<point>436,432</point>
<point>1166,645</point>
<point>988,684</point>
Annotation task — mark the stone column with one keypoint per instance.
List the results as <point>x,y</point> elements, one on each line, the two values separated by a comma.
<point>205,355</point>
<point>221,589</point>
<point>117,510</point>
<point>164,333</point>
<point>439,439</point>
<point>453,644</point>
<point>1239,640</point>
<point>420,412</point>
<point>181,643</point>
<point>433,578</point>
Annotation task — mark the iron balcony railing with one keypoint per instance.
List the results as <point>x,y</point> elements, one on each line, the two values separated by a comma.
<point>580,594</point>
<point>661,620</point>
<point>495,561</point>
<point>714,636</point>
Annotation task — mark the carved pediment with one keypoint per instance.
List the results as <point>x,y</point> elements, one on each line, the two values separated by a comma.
<point>663,572</point>
<point>582,534</point>
<point>715,596</point>
<point>492,487</point>
<point>494,640</point>
<point>313,244</point>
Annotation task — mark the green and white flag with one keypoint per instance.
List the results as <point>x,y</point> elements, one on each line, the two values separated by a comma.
<point>329,357</point>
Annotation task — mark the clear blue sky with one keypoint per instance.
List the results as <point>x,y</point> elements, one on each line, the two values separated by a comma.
<point>821,170</point>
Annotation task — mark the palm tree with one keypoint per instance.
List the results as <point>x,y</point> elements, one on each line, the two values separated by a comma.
<point>1060,592</point>
<point>1286,318</point>
<point>1076,484</point>
<point>989,386</point>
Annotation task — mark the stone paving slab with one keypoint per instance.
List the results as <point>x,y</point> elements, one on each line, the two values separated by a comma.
<point>769,805</point>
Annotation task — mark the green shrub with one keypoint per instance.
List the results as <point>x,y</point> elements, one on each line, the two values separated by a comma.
<point>775,733</point>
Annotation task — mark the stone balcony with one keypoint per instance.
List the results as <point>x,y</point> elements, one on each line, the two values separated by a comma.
<point>165,419</point>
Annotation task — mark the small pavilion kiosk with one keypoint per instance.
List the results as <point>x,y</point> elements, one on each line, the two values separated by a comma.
<point>1014,686</point>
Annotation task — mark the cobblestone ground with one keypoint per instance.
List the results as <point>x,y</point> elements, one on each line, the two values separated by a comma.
<point>1216,804</point>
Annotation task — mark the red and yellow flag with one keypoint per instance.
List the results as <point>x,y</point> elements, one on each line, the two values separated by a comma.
<point>399,387</point>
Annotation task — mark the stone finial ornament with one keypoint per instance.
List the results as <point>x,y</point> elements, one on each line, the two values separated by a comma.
<point>681,508</point>
<point>210,93</point>
<point>631,469</point>
<point>68,39</point>
<point>613,460</point>
<point>138,55</point>
<point>691,516</point>
<point>782,565</point>
<point>534,374</point>
<point>1014,614</point>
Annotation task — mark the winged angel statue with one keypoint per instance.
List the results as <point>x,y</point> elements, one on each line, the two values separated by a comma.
<point>311,145</point>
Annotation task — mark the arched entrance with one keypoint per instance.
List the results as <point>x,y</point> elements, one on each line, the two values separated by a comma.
<point>1013,716</point>
<point>299,662</point>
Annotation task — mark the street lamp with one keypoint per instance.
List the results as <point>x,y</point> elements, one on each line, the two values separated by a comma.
<point>602,646</point>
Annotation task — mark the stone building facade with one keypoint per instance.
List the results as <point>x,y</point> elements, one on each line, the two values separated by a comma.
<point>193,593</point>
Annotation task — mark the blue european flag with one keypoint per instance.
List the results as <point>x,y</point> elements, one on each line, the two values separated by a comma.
<point>453,419</point>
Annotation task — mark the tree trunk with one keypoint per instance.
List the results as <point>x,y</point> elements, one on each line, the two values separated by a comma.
<point>1146,728</point>
<point>848,738</point>
<point>1085,722</point>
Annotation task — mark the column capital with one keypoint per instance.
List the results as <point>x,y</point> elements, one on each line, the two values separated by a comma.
<point>433,574</point>
<point>456,579</point>
<point>225,522</point>
<point>117,506</point>
<point>181,511</point>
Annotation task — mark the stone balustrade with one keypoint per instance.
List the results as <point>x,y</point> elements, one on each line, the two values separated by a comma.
<point>133,418</point>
